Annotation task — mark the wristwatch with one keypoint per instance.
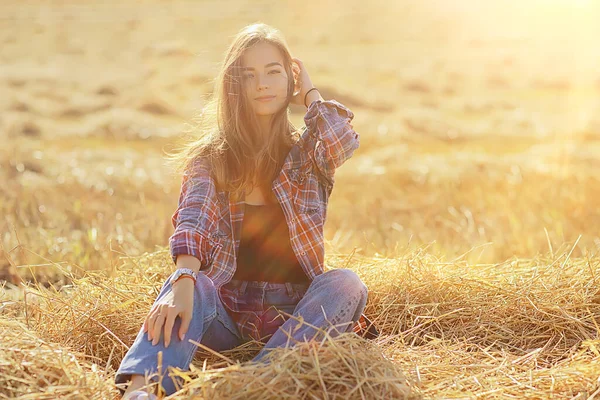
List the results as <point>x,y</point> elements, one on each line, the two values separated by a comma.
<point>182,271</point>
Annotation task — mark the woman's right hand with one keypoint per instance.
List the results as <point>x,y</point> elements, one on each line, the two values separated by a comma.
<point>178,302</point>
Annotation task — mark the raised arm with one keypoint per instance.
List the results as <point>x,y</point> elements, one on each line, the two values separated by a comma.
<point>328,122</point>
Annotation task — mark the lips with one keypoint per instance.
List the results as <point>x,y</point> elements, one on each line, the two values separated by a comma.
<point>265,98</point>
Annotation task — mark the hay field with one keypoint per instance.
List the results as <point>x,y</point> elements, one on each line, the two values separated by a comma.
<point>470,209</point>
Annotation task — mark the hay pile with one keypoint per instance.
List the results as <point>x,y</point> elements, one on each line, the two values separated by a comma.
<point>33,368</point>
<point>344,368</point>
<point>524,329</point>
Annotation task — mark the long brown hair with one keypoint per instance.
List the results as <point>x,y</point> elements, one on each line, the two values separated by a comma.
<point>226,132</point>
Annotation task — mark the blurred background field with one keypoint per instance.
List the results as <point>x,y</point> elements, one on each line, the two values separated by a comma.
<point>480,147</point>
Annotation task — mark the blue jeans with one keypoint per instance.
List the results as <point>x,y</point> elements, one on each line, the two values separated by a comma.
<point>334,300</point>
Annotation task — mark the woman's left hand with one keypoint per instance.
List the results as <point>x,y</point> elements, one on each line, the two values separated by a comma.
<point>305,82</point>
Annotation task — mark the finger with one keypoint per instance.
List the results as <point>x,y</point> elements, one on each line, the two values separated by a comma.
<point>150,324</point>
<point>157,326</point>
<point>169,326</point>
<point>145,326</point>
<point>185,324</point>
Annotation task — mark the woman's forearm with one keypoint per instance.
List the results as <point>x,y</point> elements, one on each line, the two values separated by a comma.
<point>312,96</point>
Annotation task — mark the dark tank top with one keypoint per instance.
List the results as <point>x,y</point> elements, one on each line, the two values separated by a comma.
<point>265,252</point>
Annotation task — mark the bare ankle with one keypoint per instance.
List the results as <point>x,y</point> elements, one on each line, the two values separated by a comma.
<point>137,381</point>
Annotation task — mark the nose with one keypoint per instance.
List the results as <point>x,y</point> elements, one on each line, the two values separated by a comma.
<point>261,83</point>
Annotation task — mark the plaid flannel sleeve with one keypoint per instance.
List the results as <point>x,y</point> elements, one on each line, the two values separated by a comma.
<point>328,121</point>
<point>194,217</point>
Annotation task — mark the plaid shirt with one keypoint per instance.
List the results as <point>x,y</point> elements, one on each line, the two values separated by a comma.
<point>208,224</point>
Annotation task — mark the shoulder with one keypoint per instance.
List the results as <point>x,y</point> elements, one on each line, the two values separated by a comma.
<point>198,177</point>
<point>199,168</point>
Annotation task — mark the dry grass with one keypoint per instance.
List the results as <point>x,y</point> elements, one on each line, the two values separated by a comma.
<point>511,329</point>
<point>477,236</point>
<point>32,367</point>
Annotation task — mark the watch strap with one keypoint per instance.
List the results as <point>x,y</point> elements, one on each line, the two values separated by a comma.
<point>180,272</point>
<point>185,276</point>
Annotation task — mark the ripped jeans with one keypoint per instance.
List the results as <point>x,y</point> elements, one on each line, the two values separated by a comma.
<point>334,300</point>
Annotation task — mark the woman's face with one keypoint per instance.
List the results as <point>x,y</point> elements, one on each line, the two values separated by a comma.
<point>263,75</point>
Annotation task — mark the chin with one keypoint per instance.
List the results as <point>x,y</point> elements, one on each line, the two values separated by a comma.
<point>270,111</point>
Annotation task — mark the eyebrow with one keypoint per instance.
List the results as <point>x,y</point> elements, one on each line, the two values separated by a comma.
<point>266,66</point>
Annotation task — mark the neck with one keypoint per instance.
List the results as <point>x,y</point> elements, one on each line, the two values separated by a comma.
<point>264,122</point>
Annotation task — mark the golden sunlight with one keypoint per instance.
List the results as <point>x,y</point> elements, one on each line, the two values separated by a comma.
<point>468,206</point>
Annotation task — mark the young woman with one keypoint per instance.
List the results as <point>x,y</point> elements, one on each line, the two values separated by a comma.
<point>248,240</point>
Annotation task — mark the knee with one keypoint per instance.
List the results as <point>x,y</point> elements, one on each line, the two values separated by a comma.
<point>348,281</point>
<point>205,293</point>
<point>203,281</point>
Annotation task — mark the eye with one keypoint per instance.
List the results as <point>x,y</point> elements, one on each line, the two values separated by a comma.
<point>276,71</point>
<point>248,76</point>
